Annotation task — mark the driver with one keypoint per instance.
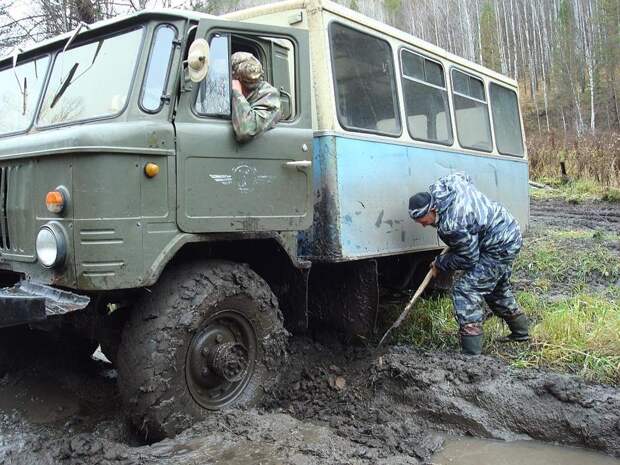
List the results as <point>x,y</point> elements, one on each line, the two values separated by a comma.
<point>255,103</point>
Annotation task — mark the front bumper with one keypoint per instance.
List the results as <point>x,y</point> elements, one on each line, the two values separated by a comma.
<point>30,302</point>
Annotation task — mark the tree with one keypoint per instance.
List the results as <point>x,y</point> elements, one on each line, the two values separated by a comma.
<point>489,39</point>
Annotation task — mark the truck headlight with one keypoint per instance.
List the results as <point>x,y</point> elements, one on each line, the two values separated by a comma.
<point>51,245</point>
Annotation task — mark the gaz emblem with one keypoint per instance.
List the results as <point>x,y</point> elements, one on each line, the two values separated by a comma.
<point>245,178</point>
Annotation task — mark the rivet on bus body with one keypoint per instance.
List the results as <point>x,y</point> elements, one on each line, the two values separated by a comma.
<point>151,170</point>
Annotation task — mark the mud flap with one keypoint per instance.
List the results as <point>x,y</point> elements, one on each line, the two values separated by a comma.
<point>345,297</point>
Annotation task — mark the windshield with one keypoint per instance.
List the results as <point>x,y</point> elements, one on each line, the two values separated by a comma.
<point>19,94</point>
<point>92,80</point>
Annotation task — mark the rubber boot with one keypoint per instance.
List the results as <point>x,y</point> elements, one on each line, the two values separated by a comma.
<point>471,345</point>
<point>518,325</point>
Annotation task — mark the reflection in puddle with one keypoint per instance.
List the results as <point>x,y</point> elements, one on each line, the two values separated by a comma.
<point>469,451</point>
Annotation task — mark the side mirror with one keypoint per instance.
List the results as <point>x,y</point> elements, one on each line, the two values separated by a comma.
<point>198,60</point>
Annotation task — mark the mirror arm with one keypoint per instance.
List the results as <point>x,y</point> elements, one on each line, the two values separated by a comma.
<point>290,102</point>
<point>15,55</point>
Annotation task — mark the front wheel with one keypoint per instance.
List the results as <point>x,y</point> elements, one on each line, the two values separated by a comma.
<point>209,336</point>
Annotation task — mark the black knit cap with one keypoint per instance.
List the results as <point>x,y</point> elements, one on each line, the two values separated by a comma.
<point>420,205</point>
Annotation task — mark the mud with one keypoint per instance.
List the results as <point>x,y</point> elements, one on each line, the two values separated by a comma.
<point>558,214</point>
<point>335,404</point>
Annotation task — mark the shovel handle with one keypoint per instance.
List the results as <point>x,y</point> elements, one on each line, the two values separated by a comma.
<point>427,279</point>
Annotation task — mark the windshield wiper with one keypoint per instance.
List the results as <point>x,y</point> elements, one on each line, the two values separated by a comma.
<point>64,85</point>
<point>67,82</point>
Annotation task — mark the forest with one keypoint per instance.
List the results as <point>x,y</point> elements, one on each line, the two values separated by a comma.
<point>565,55</point>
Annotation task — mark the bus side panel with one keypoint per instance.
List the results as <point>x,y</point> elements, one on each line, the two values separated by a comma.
<point>376,179</point>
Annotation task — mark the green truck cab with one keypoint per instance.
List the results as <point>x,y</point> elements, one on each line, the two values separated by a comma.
<point>126,199</point>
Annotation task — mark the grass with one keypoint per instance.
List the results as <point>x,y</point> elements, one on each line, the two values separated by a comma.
<point>566,284</point>
<point>568,260</point>
<point>574,191</point>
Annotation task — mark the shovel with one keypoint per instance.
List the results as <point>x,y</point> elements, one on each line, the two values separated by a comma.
<point>416,296</point>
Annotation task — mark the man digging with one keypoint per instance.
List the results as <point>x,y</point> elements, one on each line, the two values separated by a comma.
<point>484,240</point>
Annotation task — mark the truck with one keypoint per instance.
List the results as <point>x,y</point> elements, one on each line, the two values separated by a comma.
<point>131,218</point>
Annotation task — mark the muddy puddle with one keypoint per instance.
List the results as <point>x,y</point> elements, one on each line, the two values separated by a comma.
<point>471,451</point>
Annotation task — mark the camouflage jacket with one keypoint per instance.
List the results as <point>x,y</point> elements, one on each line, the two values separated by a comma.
<point>472,225</point>
<point>257,113</point>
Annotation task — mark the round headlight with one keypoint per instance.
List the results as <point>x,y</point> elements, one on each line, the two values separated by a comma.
<point>50,246</point>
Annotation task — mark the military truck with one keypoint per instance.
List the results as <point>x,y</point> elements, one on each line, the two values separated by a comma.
<point>131,218</point>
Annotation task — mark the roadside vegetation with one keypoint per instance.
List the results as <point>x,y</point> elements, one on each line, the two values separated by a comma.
<point>591,167</point>
<point>574,191</point>
<point>568,283</point>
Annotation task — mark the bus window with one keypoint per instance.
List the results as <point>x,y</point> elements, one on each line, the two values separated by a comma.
<point>364,80</point>
<point>506,122</point>
<point>426,99</point>
<point>471,112</point>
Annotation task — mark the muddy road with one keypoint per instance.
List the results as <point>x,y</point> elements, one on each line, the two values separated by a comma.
<point>334,405</point>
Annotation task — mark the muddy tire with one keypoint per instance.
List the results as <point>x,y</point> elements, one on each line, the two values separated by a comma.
<point>208,336</point>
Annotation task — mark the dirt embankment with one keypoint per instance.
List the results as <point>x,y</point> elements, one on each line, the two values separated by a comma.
<point>334,405</point>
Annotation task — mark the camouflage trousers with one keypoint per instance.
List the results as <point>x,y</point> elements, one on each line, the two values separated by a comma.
<point>488,282</point>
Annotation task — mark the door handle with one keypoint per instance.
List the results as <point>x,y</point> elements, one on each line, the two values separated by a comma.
<point>298,164</point>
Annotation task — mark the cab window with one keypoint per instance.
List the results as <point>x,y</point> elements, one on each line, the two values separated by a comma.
<point>157,71</point>
<point>471,112</point>
<point>276,54</point>
<point>75,91</point>
<point>365,84</point>
<point>20,89</point>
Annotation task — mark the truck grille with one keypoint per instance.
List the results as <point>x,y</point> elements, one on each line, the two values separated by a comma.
<point>4,220</point>
<point>17,214</point>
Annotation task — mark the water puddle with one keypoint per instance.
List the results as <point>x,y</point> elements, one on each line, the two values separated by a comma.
<point>469,451</point>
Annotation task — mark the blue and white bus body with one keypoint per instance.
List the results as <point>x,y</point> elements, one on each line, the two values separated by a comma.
<point>363,180</point>
<point>363,184</point>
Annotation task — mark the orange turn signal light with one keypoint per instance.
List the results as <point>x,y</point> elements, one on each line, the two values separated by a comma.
<point>55,201</point>
<point>151,170</point>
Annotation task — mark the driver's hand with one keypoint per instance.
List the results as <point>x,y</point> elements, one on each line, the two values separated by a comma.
<point>434,270</point>
<point>236,85</point>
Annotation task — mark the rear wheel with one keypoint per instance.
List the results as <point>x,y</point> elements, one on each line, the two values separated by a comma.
<point>208,336</point>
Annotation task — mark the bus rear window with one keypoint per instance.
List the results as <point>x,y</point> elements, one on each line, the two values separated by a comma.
<point>364,79</point>
<point>19,94</point>
<point>91,80</point>
<point>471,112</point>
<point>506,121</point>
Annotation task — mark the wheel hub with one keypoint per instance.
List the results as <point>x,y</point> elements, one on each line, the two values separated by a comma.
<point>229,360</point>
<point>220,360</point>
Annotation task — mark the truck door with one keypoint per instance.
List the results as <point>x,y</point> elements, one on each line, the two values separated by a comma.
<point>261,185</point>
